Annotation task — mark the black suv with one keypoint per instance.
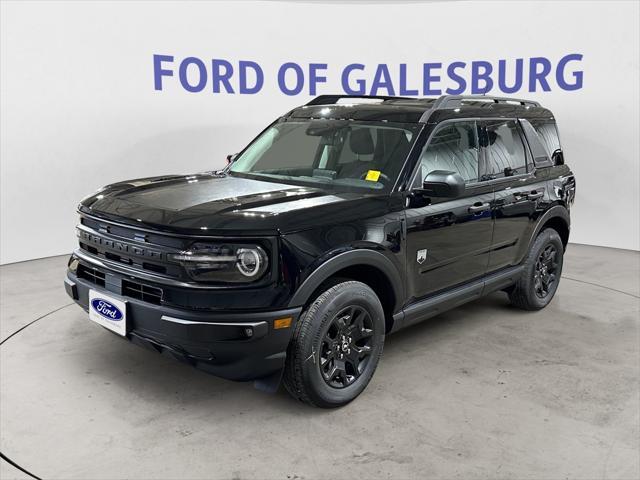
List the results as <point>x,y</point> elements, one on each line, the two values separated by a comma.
<point>345,220</point>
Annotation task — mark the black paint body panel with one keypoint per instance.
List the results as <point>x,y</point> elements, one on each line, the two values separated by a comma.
<point>313,233</point>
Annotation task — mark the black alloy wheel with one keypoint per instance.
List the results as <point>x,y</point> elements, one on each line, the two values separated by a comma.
<point>346,346</point>
<point>545,271</point>
<point>541,273</point>
<point>336,345</point>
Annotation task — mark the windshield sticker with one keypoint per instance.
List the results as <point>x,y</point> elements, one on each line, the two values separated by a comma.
<point>373,175</point>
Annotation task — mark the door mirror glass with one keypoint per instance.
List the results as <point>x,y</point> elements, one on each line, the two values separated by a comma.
<point>443,183</point>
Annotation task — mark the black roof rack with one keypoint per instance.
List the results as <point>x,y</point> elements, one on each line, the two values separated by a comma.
<point>333,99</point>
<point>429,104</point>
<point>455,101</point>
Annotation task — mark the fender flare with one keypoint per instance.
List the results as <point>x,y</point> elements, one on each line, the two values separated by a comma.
<point>343,260</point>
<point>557,211</point>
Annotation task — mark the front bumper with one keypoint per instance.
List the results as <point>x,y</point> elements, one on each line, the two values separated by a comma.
<point>216,342</point>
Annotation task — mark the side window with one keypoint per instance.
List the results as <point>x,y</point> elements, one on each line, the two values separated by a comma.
<point>548,133</point>
<point>505,153</point>
<point>453,147</point>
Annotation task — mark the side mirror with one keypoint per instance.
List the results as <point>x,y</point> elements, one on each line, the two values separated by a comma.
<point>557,157</point>
<point>443,183</point>
<point>231,157</point>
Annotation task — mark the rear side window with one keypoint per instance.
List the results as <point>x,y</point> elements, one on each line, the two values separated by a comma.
<point>453,147</point>
<point>505,153</point>
<point>548,133</point>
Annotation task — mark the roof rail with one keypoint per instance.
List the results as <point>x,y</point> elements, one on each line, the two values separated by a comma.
<point>455,101</point>
<point>333,99</point>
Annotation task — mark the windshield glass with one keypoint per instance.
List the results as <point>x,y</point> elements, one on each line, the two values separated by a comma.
<point>337,153</point>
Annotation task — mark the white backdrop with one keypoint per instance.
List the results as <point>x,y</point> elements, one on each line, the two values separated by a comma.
<point>79,108</point>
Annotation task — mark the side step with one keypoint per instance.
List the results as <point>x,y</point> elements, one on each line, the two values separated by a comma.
<point>441,302</point>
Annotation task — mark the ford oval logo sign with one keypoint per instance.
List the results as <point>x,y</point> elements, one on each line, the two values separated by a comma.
<point>106,309</point>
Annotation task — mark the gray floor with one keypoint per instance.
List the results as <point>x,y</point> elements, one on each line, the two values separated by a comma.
<point>484,391</point>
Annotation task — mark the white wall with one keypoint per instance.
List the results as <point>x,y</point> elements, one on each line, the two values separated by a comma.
<point>79,109</point>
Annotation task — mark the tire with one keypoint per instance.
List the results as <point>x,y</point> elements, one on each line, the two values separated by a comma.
<point>542,270</point>
<point>343,327</point>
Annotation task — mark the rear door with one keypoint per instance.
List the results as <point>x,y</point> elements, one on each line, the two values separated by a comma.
<point>448,240</point>
<point>519,190</point>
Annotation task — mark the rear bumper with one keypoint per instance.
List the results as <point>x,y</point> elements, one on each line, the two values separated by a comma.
<point>231,345</point>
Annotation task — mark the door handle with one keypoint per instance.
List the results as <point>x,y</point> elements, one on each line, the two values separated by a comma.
<point>534,194</point>
<point>479,207</point>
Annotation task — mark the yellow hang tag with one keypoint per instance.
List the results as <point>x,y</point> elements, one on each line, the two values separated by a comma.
<point>373,175</point>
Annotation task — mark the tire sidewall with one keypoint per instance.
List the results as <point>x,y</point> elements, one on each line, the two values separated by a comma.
<point>346,294</point>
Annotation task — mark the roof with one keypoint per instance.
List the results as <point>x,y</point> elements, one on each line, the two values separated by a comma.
<point>418,110</point>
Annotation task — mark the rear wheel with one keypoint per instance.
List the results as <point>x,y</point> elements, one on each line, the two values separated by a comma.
<point>541,275</point>
<point>336,346</point>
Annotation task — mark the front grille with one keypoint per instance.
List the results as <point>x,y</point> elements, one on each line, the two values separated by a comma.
<point>89,248</point>
<point>91,275</point>
<point>118,258</point>
<point>140,256</point>
<point>142,292</point>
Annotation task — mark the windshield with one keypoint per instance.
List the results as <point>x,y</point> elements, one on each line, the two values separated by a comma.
<point>338,153</point>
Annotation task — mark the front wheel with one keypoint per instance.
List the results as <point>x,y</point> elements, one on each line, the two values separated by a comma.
<point>541,275</point>
<point>336,346</point>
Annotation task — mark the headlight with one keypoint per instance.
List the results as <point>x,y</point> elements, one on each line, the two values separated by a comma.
<point>223,263</point>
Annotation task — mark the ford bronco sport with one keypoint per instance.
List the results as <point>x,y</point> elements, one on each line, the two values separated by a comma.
<point>345,220</point>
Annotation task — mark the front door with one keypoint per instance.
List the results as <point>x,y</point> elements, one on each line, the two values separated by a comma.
<point>448,240</point>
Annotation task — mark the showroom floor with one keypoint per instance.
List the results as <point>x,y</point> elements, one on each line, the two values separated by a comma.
<point>484,391</point>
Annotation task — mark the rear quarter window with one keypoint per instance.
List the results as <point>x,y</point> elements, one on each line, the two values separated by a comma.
<point>548,133</point>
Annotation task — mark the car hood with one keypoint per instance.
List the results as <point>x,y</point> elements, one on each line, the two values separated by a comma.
<point>216,203</point>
